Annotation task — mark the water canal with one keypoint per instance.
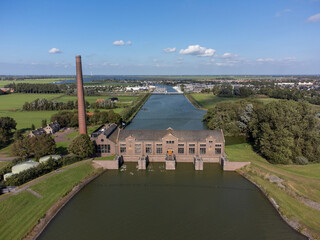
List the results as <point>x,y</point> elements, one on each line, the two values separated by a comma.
<point>159,204</point>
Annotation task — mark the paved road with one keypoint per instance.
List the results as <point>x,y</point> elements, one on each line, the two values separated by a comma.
<point>29,184</point>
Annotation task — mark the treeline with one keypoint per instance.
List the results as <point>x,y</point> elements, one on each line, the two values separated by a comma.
<point>70,119</point>
<point>283,131</point>
<point>229,91</point>
<point>130,112</point>
<point>35,87</point>
<point>312,97</point>
<point>43,104</point>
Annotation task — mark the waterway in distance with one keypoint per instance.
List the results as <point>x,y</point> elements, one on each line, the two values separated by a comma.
<point>159,204</point>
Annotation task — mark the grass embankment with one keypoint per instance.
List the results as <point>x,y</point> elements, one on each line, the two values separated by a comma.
<point>131,112</point>
<point>104,158</point>
<point>19,213</point>
<point>299,200</point>
<point>206,101</point>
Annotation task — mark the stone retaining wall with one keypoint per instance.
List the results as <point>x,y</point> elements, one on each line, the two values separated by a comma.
<point>107,164</point>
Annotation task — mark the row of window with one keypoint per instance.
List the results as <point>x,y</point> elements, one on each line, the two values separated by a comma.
<point>106,148</point>
<point>148,149</point>
<point>103,148</point>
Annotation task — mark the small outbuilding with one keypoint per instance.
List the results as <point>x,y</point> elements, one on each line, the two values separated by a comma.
<point>24,166</point>
<point>46,158</point>
<point>7,175</point>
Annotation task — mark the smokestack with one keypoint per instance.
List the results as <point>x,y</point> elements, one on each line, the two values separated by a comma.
<point>81,105</point>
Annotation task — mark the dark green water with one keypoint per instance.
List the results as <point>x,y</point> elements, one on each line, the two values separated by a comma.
<point>159,204</point>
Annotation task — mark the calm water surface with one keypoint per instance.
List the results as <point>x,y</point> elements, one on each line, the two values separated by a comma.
<point>159,204</point>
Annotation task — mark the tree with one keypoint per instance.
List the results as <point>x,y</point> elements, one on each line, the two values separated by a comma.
<point>7,124</point>
<point>42,145</point>
<point>21,148</point>
<point>37,146</point>
<point>81,146</point>
<point>33,127</point>
<point>44,123</point>
<point>285,130</point>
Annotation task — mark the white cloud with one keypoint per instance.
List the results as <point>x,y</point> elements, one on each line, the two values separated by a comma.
<point>265,60</point>
<point>197,50</point>
<point>272,60</point>
<point>314,18</point>
<point>55,50</point>
<point>229,59</point>
<point>118,43</point>
<point>169,50</point>
<point>278,14</point>
<point>229,56</point>
<point>121,43</point>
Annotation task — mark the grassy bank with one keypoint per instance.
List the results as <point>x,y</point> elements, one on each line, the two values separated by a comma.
<point>19,213</point>
<point>298,194</point>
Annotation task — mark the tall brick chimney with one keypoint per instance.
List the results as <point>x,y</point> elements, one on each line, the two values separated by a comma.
<point>81,105</point>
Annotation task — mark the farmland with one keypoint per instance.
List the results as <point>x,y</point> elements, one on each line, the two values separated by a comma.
<point>11,106</point>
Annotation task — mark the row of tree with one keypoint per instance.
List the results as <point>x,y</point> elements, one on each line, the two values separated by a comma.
<point>229,91</point>
<point>282,131</point>
<point>70,119</point>
<point>35,87</point>
<point>43,104</point>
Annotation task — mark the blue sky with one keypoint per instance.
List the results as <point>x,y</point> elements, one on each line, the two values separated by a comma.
<point>160,37</point>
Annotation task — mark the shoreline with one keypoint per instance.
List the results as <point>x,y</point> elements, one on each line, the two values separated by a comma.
<point>291,224</point>
<point>36,231</point>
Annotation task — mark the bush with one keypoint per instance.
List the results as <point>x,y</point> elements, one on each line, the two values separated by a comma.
<point>301,160</point>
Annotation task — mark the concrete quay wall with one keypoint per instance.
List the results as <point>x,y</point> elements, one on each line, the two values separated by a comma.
<point>232,166</point>
<point>107,164</point>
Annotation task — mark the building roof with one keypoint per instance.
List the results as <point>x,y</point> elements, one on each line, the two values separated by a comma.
<point>110,131</point>
<point>23,166</point>
<point>182,135</point>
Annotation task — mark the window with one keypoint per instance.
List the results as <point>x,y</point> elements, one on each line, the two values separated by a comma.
<point>148,148</point>
<point>192,148</point>
<point>217,150</point>
<point>138,148</point>
<point>103,148</point>
<point>180,150</point>
<point>210,141</point>
<point>159,148</point>
<point>102,140</point>
<point>123,148</point>
<point>180,145</point>
<point>170,142</point>
<point>202,150</point>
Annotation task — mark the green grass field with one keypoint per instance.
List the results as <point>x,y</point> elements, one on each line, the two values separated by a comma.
<point>209,100</point>
<point>303,181</point>
<point>19,213</point>
<point>48,80</point>
<point>11,106</point>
